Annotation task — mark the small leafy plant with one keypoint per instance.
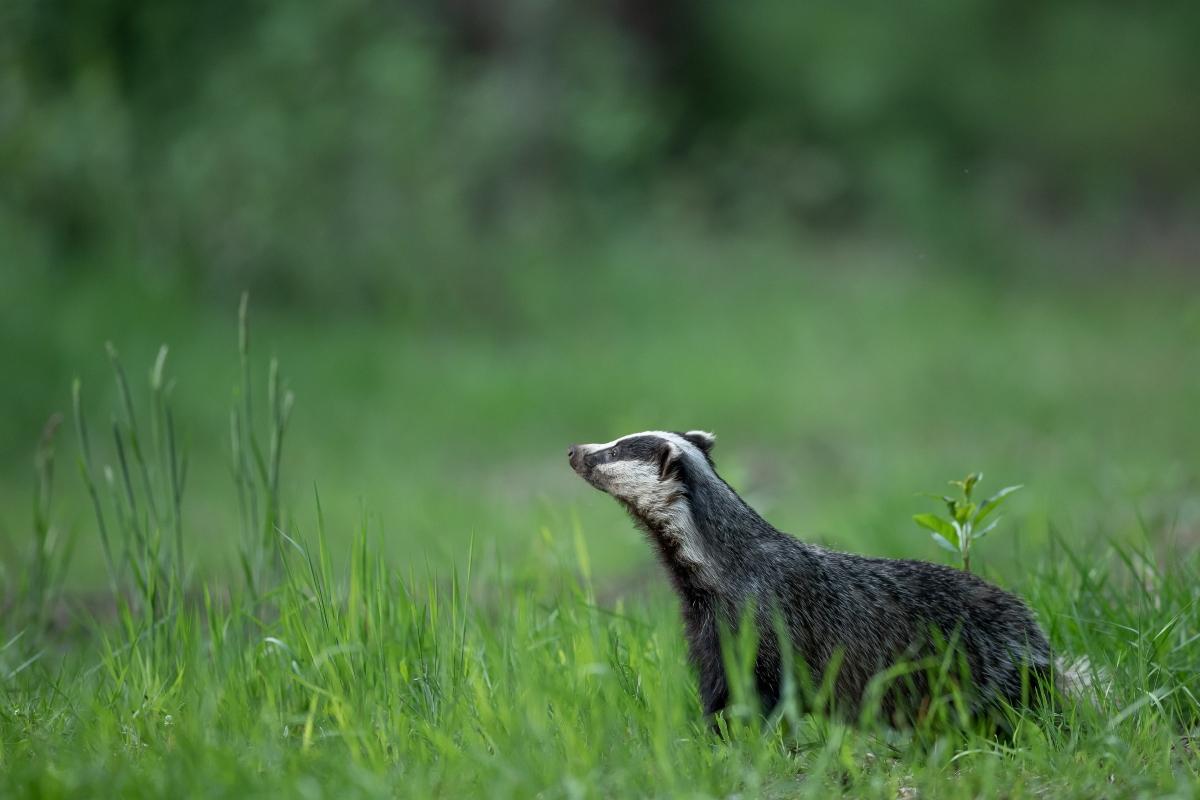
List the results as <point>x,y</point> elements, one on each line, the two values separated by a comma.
<point>966,517</point>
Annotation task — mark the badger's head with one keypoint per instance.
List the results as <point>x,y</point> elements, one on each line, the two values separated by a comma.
<point>643,470</point>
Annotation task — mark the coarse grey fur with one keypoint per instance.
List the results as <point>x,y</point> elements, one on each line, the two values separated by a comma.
<point>725,561</point>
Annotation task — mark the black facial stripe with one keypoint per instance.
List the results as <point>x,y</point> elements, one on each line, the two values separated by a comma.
<point>637,448</point>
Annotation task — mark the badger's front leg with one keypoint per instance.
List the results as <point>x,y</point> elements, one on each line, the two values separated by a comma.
<point>704,649</point>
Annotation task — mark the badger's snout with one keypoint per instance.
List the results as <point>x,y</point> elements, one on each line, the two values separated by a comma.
<point>575,456</point>
<point>583,461</point>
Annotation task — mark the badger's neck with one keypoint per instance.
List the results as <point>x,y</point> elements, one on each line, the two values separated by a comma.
<point>711,542</point>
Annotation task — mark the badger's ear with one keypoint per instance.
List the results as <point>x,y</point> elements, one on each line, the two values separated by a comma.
<point>702,439</point>
<point>668,457</point>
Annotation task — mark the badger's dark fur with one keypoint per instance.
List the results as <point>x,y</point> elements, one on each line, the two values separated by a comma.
<point>725,561</point>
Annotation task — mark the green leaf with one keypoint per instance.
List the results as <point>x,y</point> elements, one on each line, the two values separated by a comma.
<point>943,543</point>
<point>936,524</point>
<point>982,533</point>
<point>993,502</point>
<point>963,511</point>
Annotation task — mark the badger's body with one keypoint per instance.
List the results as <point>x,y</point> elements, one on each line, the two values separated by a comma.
<point>860,615</point>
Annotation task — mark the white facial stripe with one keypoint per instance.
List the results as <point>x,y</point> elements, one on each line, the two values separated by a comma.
<point>633,479</point>
<point>683,444</point>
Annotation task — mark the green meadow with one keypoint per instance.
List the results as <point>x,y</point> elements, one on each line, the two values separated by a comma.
<point>453,613</point>
<point>330,545</point>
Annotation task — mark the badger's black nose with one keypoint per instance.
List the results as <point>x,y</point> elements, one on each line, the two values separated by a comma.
<point>571,452</point>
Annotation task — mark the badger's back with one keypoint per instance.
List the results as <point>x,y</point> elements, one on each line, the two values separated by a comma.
<point>869,614</point>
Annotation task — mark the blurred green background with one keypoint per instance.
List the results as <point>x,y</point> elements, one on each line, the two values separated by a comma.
<point>871,247</point>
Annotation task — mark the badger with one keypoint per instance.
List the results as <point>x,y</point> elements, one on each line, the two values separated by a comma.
<point>855,616</point>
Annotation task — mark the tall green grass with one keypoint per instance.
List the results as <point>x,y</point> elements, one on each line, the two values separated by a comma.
<point>310,675</point>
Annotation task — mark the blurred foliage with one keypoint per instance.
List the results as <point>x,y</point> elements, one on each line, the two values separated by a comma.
<point>360,151</point>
